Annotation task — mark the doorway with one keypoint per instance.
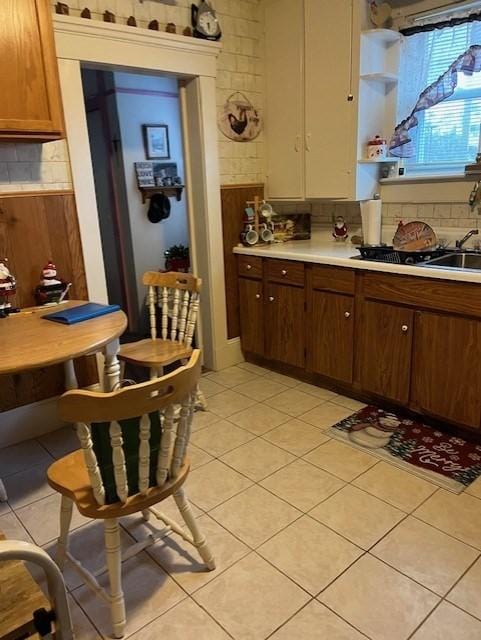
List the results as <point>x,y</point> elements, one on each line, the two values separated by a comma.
<point>126,113</point>
<point>100,45</point>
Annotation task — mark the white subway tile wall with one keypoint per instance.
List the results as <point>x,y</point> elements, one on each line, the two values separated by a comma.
<point>27,167</point>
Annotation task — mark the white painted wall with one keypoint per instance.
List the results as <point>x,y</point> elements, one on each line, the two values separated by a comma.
<point>143,99</point>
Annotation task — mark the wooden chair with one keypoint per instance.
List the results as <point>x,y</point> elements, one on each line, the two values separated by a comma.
<point>133,456</point>
<point>175,298</point>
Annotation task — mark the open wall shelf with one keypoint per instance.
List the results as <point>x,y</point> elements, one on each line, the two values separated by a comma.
<point>385,36</point>
<point>170,192</point>
<point>381,161</point>
<point>381,76</point>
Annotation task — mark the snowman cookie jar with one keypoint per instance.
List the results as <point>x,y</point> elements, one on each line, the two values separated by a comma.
<point>8,288</point>
<point>51,288</point>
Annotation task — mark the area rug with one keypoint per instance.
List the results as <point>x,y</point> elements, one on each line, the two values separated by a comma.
<point>450,462</point>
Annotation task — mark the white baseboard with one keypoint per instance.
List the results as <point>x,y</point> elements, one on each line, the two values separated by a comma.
<point>230,354</point>
<point>29,421</point>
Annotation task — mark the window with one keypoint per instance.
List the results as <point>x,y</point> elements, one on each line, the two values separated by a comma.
<point>448,134</point>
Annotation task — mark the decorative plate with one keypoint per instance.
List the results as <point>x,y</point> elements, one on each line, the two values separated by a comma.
<point>414,236</point>
<point>240,120</point>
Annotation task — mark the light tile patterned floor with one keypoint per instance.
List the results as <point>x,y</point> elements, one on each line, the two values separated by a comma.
<point>313,539</point>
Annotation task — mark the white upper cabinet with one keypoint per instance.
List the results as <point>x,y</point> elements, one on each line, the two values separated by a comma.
<point>284,121</point>
<point>329,100</point>
<point>325,98</point>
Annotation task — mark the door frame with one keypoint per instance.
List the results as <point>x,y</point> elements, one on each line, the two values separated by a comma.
<point>194,61</point>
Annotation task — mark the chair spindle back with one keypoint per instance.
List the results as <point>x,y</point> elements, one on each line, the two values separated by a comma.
<point>127,458</point>
<point>175,297</point>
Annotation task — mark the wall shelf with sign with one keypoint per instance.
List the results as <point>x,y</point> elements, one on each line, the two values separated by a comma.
<point>170,192</point>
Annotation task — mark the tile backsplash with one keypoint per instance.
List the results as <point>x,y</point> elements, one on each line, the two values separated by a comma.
<point>34,167</point>
<point>437,215</point>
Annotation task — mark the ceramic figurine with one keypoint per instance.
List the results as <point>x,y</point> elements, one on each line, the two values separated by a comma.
<point>8,288</point>
<point>62,9</point>
<point>109,16</point>
<point>51,289</point>
<point>339,233</point>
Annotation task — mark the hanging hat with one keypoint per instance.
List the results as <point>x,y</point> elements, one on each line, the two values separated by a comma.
<point>159,208</point>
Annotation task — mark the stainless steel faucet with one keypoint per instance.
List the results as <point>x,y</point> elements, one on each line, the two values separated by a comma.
<point>460,243</point>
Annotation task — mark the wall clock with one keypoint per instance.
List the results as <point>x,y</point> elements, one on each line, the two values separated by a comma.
<point>205,22</point>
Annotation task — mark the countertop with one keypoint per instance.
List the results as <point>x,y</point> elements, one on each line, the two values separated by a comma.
<point>322,249</point>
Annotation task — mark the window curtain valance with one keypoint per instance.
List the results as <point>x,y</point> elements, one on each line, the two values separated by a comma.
<point>429,25</point>
<point>467,63</point>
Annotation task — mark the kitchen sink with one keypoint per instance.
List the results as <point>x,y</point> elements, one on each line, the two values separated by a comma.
<point>470,261</point>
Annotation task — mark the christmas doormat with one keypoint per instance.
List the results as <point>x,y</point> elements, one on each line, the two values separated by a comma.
<point>446,460</point>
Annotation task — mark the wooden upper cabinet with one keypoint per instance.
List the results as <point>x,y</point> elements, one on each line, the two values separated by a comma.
<point>331,335</point>
<point>385,350</point>
<point>285,320</point>
<point>447,368</point>
<point>284,122</point>
<point>30,107</point>
<point>330,116</point>
<point>251,311</point>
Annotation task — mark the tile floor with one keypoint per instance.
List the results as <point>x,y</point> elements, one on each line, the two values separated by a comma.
<point>313,539</point>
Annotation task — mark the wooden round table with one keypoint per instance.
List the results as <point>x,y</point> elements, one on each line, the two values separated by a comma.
<point>31,342</point>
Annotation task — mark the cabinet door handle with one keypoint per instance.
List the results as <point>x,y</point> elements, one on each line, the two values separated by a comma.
<point>347,314</point>
<point>271,298</point>
<point>308,141</point>
<point>248,267</point>
<point>284,272</point>
<point>297,143</point>
<point>258,295</point>
<point>404,328</point>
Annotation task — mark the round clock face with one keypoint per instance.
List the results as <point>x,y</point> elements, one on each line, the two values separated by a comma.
<point>208,23</point>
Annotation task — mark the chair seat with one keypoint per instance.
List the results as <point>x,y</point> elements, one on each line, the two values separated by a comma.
<point>69,477</point>
<point>154,353</point>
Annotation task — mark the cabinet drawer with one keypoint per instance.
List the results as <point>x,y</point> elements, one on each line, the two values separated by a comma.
<point>333,279</point>
<point>462,298</point>
<point>285,271</point>
<point>249,266</point>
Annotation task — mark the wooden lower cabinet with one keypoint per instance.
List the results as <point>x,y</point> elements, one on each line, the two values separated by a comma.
<point>447,367</point>
<point>401,339</point>
<point>331,335</point>
<point>285,320</point>
<point>385,350</point>
<point>251,311</point>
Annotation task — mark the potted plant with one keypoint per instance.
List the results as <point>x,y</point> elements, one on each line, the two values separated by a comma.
<point>177,258</point>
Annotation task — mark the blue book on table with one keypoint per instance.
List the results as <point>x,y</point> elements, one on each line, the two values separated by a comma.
<point>82,312</point>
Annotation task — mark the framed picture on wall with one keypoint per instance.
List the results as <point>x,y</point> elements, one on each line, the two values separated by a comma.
<point>156,141</point>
